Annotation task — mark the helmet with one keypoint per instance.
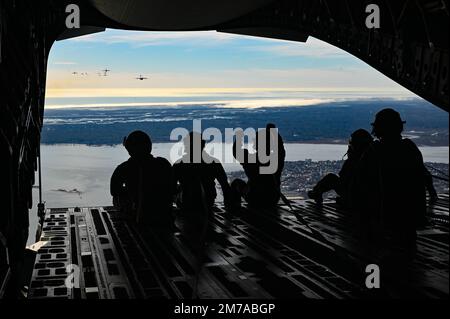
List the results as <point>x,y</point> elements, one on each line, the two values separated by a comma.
<point>138,142</point>
<point>387,122</point>
<point>360,140</point>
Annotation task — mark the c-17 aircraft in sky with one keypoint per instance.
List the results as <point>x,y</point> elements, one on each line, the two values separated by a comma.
<point>141,78</point>
<point>105,72</point>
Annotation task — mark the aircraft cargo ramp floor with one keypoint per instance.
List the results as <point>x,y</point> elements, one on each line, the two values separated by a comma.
<point>302,251</point>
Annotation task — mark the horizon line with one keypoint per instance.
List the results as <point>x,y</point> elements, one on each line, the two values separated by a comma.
<point>199,91</point>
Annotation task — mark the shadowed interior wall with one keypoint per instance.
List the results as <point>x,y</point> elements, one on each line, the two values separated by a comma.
<point>411,47</point>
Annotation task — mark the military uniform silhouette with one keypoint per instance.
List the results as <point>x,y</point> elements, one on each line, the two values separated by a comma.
<point>390,186</point>
<point>197,176</point>
<point>261,190</point>
<point>359,142</point>
<point>143,186</point>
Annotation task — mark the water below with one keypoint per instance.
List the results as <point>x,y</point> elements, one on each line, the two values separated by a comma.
<point>78,175</point>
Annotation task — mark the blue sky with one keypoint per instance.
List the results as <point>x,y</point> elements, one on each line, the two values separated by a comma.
<point>206,59</point>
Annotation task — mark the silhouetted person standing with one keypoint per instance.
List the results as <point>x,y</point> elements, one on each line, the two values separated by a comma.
<point>262,189</point>
<point>143,186</point>
<point>390,187</point>
<point>359,142</point>
<point>197,172</point>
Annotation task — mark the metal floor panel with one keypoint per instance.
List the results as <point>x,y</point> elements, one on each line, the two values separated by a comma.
<point>254,255</point>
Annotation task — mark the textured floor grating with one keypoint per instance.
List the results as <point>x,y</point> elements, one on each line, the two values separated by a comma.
<point>255,255</point>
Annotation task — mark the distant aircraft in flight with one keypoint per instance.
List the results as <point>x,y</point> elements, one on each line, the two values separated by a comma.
<point>82,73</point>
<point>105,72</point>
<point>140,77</point>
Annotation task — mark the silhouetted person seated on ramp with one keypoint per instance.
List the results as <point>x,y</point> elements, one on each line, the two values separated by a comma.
<point>359,141</point>
<point>263,188</point>
<point>197,172</point>
<point>390,189</point>
<point>143,186</point>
